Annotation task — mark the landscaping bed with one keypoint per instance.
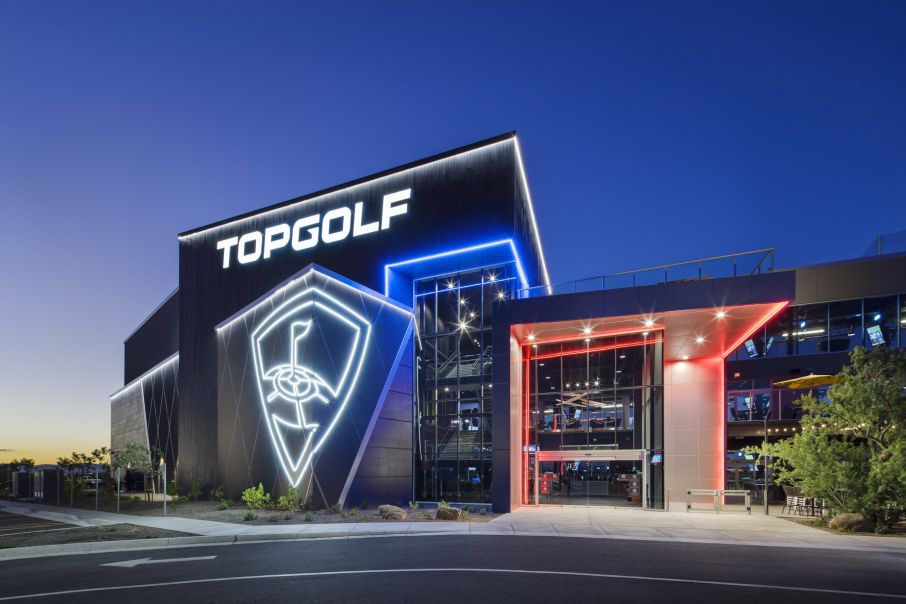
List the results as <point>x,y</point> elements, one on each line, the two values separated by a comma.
<point>897,530</point>
<point>207,510</point>
<point>113,532</point>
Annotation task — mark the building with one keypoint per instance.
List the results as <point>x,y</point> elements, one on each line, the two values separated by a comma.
<point>398,338</point>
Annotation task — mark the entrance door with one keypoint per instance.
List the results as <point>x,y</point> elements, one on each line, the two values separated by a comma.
<point>612,479</point>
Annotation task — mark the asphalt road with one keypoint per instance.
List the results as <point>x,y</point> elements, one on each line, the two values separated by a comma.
<point>15,524</point>
<point>441,569</point>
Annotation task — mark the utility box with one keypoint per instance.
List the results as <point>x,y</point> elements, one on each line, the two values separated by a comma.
<point>21,485</point>
<point>48,485</point>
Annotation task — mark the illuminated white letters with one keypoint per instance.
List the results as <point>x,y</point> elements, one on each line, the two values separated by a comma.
<point>270,243</point>
<point>391,210</point>
<point>339,214</point>
<point>225,245</point>
<point>301,224</point>
<point>357,227</point>
<point>335,226</point>
<point>245,257</point>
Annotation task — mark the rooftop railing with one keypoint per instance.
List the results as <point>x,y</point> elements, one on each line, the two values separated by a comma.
<point>731,265</point>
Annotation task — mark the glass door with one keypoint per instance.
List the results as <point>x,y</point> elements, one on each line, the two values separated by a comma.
<point>595,480</point>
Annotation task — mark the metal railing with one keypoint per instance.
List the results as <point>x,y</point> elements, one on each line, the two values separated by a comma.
<point>718,494</point>
<point>731,265</point>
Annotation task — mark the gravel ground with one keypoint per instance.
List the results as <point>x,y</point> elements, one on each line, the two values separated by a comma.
<point>207,510</point>
<point>897,530</point>
<point>113,532</point>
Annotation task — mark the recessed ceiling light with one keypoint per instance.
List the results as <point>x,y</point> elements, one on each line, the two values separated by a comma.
<point>649,323</point>
<point>587,330</point>
<point>686,357</point>
<point>531,337</point>
<point>720,314</point>
<point>622,356</point>
<point>699,339</point>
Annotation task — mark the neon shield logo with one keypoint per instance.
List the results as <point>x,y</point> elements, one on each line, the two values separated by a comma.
<point>308,354</point>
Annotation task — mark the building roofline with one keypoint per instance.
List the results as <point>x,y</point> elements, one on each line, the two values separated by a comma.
<point>153,312</point>
<point>841,262</point>
<point>459,150</point>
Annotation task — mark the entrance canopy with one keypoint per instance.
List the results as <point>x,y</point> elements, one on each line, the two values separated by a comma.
<point>688,334</point>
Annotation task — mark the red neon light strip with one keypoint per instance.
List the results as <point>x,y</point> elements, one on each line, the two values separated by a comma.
<point>552,355</point>
<point>525,422</point>
<point>760,324</point>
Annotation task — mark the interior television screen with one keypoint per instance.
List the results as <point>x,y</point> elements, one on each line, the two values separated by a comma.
<point>657,458</point>
<point>750,347</point>
<point>767,348</point>
<point>875,335</point>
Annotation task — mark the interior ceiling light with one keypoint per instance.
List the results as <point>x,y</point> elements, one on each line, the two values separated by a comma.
<point>622,356</point>
<point>644,333</point>
<point>531,337</point>
<point>587,330</point>
<point>720,314</point>
<point>699,339</point>
<point>686,357</point>
<point>649,323</point>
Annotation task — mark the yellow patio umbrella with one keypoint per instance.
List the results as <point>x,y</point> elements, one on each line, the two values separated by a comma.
<point>809,381</point>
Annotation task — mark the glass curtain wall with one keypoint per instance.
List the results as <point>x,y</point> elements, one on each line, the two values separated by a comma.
<point>453,382</point>
<point>830,327</point>
<point>596,394</point>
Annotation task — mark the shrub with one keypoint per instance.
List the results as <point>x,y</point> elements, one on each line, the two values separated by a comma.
<point>343,513</point>
<point>426,514</point>
<point>335,508</point>
<point>882,530</point>
<point>288,502</point>
<point>354,511</point>
<point>364,518</point>
<point>217,493</point>
<point>412,506</point>
<point>443,504</point>
<point>195,492</point>
<point>136,499</point>
<point>256,499</point>
<point>222,505</point>
<point>173,491</point>
<point>465,515</point>
<point>249,516</point>
<point>484,511</point>
<point>113,529</point>
<point>287,516</point>
<point>365,503</point>
<point>309,517</point>
<point>273,518</point>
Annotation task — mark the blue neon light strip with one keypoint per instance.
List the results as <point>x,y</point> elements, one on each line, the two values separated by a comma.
<point>473,248</point>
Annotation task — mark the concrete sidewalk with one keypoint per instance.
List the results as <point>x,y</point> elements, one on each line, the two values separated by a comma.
<point>694,527</point>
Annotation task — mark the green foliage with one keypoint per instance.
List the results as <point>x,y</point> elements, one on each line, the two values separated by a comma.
<point>365,503</point>
<point>320,512</point>
<point>112,529</point>
<point>223,505</point>
<point>412,506</point>
<point>882,530</point>
<point>256,499</point>
<point>287,516</point>
<point>851,450</point>
<point>483,511</point>
<point>249,516</point>
<point>343,513</point>
<point>354,511</point>
<point>309,517</point>
<point>335,508</point>
<point>465,515</point>
<point>217,493</point>
<point>195,492</point>
<point>426,514</point>
<point>288,502</point>
<point>443,504</point>
<point>173,491</point>
<point>364,518</point>
<point>273,518</point>
<point>136,499</point>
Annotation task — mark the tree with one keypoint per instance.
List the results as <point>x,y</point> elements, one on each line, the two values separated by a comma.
<point>852,448</point>
<point>137,459</point>
<point>102,457</point>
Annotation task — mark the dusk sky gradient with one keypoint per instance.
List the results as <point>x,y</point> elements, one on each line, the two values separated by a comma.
<point>652,132</point>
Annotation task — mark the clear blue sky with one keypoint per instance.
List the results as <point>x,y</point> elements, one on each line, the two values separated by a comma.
<point>652,132</point>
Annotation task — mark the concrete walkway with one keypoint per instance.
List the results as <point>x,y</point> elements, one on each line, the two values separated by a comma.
<point>693,527</point>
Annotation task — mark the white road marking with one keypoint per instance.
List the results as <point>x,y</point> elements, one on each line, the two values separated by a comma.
<point>464,570</point>
<point>131,563</point>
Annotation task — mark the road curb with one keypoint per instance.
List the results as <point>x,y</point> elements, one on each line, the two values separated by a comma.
<point>66,548</point>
